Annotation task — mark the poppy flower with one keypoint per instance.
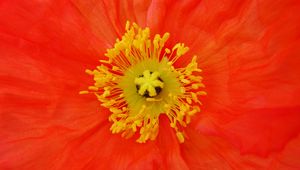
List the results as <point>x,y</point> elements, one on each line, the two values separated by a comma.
<point>180,84</point>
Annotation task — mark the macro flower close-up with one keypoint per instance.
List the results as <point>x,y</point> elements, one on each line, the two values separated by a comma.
<point>149,84</point>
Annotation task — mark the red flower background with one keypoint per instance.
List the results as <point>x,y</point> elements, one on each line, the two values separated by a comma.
<point>249,52</point>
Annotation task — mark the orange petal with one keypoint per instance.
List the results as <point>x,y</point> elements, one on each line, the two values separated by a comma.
<point>202,151</point>
<point>251,75</point>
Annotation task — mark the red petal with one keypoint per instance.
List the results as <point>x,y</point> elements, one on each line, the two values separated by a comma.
<point>54,25</point>
<point>192,22</point>
<point>289,158</point>
<point>97,148</point>
<point>169,147</point>
<point>108,18</point>
<point>251,75</point>
<point>212,152</point>
<point>40,110</point>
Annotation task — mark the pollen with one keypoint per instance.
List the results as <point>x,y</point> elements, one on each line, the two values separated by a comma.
<point>138,82</point>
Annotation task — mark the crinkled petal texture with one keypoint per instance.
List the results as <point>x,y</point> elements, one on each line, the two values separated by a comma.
<point>248,50</point>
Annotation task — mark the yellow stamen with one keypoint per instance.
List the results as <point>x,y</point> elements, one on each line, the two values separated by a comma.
<point>138,82</point>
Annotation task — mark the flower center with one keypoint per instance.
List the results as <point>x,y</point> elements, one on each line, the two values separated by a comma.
<point>138,82</point>
<point>149,84</point>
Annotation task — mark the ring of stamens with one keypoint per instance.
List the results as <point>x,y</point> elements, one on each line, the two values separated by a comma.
<point>138,82</point>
